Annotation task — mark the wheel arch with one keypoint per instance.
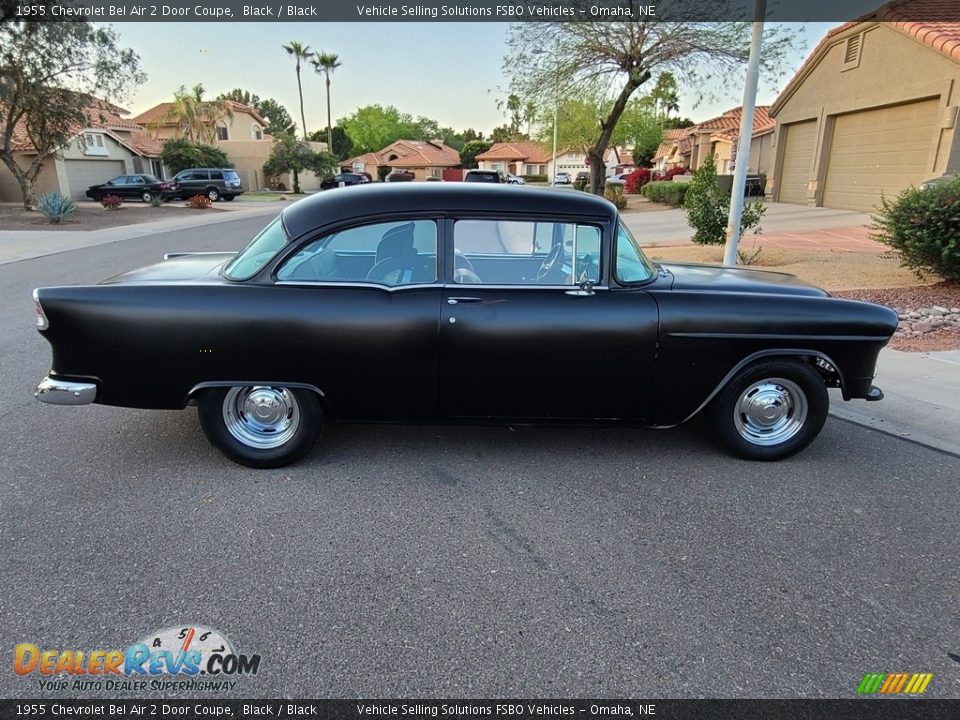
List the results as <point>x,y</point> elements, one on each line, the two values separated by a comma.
<point>820,361</point>
<point>212,384</point>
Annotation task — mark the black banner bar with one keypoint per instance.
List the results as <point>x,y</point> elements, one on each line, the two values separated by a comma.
<point>117,11</point>
<point>864,709</point>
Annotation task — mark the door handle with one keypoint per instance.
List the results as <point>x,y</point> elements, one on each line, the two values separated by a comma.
<point>456,300</point>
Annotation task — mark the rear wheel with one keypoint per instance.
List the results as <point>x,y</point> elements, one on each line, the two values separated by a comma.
<point>261,426</point>
<point>229,198</point>
<point>213,194</point>
<point>147,196</point>
<point>771,410</point>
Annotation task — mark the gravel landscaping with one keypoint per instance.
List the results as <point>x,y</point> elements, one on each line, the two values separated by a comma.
<point>91,216</point>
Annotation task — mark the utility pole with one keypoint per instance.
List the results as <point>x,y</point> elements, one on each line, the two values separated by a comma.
<point>746,135</point>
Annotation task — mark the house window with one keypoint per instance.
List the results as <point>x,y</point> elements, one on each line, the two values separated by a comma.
<point>93,144</point>
<point>222,133</point>
<point>852,51</point>
<point>255,132</point>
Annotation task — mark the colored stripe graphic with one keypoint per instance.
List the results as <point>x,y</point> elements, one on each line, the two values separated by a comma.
<point>894,683</point>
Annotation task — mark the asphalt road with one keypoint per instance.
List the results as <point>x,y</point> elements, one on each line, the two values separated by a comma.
<point>471,561</point>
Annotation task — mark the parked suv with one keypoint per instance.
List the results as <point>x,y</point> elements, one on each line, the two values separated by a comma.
<point>484,176</point>
<point>215,183</point>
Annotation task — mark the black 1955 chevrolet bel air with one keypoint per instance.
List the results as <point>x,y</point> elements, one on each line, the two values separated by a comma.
<point>443,302</point>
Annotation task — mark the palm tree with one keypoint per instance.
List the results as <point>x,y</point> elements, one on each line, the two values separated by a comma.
<point>197,118</point>
<point>299,52</point>
<point>326,63</point>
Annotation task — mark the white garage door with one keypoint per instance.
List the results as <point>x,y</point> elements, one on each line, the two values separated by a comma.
<point>81,174</point>
<point>797,163</point>
<point>878,152</point>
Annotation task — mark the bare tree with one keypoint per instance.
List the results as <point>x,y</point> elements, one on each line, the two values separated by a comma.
<point>623,55</point>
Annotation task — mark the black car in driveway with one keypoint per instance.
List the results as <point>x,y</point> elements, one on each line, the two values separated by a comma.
<point>443,302</point>
<point>346,179</point>
<point>493,177</point>
<point>132,187</point>
<point>215,183</point>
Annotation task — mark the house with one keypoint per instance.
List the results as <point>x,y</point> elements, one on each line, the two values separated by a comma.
<point>871,111</point>
<point>718,136</point>
<point>107,145</point>
<point>241,134</point>
<point>527,157</point>
<point>423,158</point>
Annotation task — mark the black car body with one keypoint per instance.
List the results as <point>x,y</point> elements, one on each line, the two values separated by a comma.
<point>132,187</point>
<point>215,183</point>
<point>484,176</point>
<point>447,302</point>
<point>346,179</point>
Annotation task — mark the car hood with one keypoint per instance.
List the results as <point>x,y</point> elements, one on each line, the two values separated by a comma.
<point>188,267</point>
<point>715,278</point>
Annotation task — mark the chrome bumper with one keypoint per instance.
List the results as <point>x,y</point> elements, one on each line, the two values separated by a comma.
<point>60,392</point>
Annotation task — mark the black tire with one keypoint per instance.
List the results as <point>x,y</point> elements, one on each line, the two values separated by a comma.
<point>229,198</point>
<point>788,394</point>
<point>213,194</point>
<point>213,412</point>
<point>147,196</point>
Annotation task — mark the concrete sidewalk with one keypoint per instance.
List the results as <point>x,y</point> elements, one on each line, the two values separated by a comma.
<point>16,245</point>
<point>921,399</point>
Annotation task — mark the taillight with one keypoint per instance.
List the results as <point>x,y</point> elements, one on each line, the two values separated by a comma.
<point>39,315</point>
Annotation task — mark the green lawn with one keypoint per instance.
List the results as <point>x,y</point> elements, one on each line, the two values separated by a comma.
<point>266,196</point>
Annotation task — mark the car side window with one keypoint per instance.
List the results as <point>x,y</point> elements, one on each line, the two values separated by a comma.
<point>630,264</point>
<point>216,175</point>
<point>134,180</point>
<point>392,254</point>
<point>200,175</point>
<point>184,176</point>
<point>119,180</point>
<point>513,252</point>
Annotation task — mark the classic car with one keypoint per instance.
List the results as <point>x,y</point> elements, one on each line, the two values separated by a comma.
<point>437,302</point>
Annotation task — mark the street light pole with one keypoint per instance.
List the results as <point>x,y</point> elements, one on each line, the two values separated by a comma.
<point>746,135</point>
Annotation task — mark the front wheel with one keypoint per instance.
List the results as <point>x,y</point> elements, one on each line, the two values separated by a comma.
<point>213,194</point>
<point>147,196</point>
<point>261,426</point>
<point>771,410</point>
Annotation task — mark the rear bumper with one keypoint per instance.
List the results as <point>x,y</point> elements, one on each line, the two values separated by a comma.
<point>61,392</point>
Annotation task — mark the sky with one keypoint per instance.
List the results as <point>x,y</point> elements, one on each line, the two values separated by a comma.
<point>447,71</point>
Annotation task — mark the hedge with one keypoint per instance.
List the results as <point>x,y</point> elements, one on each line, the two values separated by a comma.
<point>535,178</point>
<point>665,191</point>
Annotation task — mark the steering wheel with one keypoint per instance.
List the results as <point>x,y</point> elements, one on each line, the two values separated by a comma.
<point>549,264</point>
<point>461,261</point>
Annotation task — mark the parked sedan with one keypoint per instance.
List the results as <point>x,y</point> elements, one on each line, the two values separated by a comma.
<point>515,179</point>
<point>444,302</point>
<point>132,187</point>
<point>345,178</point>
<point>562,178</point>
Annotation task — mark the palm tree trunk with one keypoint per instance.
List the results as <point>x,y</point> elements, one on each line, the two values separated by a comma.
<point>303,118</point>
<point>329,122</point>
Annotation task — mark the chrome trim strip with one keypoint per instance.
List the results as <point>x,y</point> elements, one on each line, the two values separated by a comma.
<point>251,383</point>
<point>168,256</point>
<point>776,336</point>
<point>480,286</point>
<point>368,285</point>
<point>61,392</point>
<point>792,352</point>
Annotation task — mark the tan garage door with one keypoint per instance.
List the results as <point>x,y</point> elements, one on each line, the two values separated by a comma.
<point>878,151</point>
<point>798,151</point>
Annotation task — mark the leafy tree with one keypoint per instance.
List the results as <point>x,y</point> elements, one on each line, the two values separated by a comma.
<point>300,53</point>
<point>179,154</point>
<point>639,130</point>
<point>291,155</point>
<point>665,96</point>
<point>468,156</point>
<point>678,123</point>
<point>326,63</point>
<point>708,208</point>
<point>470,134</point>
<point>342,144</point>
<point>373,127</point>
<point>49,74</point>
<point>624,55</point>
<point>503,133</point>
<point>275,114</point>
<point>197,118</point>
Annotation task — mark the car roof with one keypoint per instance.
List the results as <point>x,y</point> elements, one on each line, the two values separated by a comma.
<point>385,198</point>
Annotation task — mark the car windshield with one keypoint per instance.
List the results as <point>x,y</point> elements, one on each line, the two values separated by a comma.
<point>631,264</point>
<point>258,253</point>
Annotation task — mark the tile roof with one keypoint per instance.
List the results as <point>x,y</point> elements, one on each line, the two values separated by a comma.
<point>725,126</point>
<point>161,115</point>
<point>943,36</point>
<point>368,159</point>
<point>522,150</point>
<point>419,153</point>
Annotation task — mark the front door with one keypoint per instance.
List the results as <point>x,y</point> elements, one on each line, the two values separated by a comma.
<point>524,335</point>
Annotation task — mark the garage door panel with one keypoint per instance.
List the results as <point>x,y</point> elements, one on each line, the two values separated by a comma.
<point>878,152</point>
<point>799,143</point>
<point>81,174</point>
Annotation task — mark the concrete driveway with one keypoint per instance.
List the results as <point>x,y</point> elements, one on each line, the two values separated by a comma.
<point>780,222</point>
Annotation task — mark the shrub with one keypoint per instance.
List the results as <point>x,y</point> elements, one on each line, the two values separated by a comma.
<point>636,180</point>
<point>179,154</point>
<point>614,193</point>
<point>199,202</point>
<point>535,178</point>
<point>708,208</point>
<point>55,207</point>
<point>581,184</point>
<point>432,179</point>
<point>111,202</point>
<point>923,227</point>
<point>666,192</point>
<point>156,200</point>
<point>675,170</point>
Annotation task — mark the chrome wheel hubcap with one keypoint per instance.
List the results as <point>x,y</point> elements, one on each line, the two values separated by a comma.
<point>770,412</point>
<point>261,417</point>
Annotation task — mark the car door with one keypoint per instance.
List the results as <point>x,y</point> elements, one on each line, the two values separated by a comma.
<point>117,186</point>
<point>135,187</point>
<point>364,306</point>
<point>530,327</point>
